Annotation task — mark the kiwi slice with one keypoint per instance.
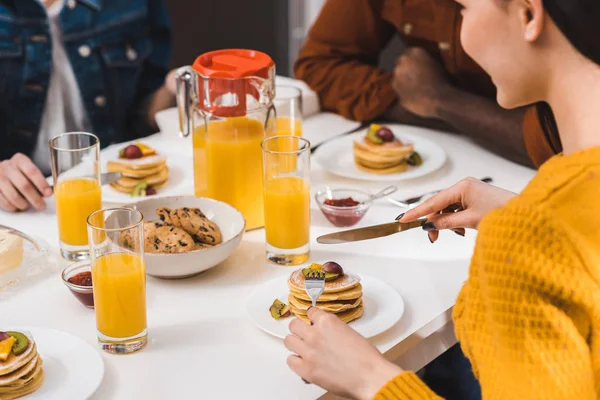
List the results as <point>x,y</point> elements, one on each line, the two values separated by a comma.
<point>21,344</point>
<point>373,138</point>
<point>279,309</point>
<point>331,277</point>
<point>140,189</point>
<point>414,159</point>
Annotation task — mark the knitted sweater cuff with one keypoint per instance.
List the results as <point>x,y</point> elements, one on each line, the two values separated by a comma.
<point>406,386</point>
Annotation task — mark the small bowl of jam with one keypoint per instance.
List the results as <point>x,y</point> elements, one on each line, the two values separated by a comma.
<point>78,278</point>
<point>343,207</point>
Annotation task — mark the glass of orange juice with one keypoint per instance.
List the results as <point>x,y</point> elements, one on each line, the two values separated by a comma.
<point>286,167</point>
<point>288,108</point>
<point>116,237</point>
<point>77,191</point>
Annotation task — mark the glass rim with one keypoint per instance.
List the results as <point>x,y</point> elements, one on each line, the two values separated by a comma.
<point>297,90</point>
<point>85,264</point>
<point>300,151</point>
<point>131,226</point>
<point>52,146</point>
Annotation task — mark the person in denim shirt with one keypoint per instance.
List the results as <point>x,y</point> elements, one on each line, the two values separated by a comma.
<point>75,65</point>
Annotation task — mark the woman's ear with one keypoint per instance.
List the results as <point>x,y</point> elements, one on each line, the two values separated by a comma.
<point>532,17</point>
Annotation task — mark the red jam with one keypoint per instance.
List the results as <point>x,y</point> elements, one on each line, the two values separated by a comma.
<point>81,279</point>
<point>85,295</point>
<point>347,202</point>
<point>87,299</point>
<point>343,219</point>
<point>343,212</point>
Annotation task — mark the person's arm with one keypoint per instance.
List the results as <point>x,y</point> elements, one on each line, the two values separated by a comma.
<point>152,94</point>
<point>423,89</point>
<point>397,113</point>
<point>339,59</point>
<point>528,317</point>
<point>485,122</point>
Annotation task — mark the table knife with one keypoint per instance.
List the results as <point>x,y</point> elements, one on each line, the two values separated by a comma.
<point>105,179</point>
<point>370,232</point>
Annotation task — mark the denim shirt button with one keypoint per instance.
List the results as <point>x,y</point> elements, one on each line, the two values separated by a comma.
<point>100,101</point>
<point>71,4</point>
<point>84,51</point>
<point>131,54</point>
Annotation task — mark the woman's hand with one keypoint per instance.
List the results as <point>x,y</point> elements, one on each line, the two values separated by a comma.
<point>22,184</point>
<point>460,206</point>
<point>333,356</point>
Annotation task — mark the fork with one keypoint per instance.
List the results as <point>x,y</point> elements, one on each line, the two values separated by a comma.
<point>314,284</point>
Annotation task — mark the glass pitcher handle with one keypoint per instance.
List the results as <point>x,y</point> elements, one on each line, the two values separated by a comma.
<point>187,100</point>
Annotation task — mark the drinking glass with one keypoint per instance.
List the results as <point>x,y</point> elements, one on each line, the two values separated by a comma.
<point>116,237</point>
<point>75,168</point>
<point>286,166</point>
<point>288,108</point>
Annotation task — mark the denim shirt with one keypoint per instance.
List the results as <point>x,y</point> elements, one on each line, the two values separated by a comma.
<point>119,51</point>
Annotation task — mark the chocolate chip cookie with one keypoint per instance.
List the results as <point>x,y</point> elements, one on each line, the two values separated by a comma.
<point>168,239</point>
<point>194,222</point>
<point>164,214</point>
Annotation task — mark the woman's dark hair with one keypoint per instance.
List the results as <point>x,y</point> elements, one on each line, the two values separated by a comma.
<point>579,21</point>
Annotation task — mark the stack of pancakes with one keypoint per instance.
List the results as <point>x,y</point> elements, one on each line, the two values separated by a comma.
<point>384,158</point>
<point>21,375</point>
<point>342,297</point>
<point>152,169</point>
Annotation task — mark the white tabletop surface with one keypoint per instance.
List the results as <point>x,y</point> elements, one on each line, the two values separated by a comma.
<point>201,345</point>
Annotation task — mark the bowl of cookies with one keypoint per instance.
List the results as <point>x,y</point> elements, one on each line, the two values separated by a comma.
<point>187,235</point>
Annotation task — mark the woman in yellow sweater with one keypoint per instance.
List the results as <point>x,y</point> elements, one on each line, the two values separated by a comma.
<point>528,317</point>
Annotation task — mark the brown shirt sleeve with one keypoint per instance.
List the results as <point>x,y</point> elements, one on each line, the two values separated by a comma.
<point>536,141</point>
<point>339,59</point>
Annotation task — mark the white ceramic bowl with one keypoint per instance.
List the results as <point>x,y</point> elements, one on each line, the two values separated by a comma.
<point>183,265</point>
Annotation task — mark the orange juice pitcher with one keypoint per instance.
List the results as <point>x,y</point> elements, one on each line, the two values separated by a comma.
<point>225,101</point>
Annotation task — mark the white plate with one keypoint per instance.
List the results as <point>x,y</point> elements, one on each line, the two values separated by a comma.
<point>383,307</point>
<point>181,175</point>
<point>337,157</point>
<point>73,369</point>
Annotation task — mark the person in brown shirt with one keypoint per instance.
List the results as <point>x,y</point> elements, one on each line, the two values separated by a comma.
<point>434,83</point>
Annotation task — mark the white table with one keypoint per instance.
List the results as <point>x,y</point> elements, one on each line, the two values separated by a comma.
<point>201,344</point>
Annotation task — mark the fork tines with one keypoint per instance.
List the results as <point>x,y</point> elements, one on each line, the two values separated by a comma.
<point>315,275</point>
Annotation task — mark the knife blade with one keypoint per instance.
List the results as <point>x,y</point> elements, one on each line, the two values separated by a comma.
<point>105,179</point>
<point>370,232</point>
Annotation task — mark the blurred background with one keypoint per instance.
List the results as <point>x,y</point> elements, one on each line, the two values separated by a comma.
<point>276,27</point>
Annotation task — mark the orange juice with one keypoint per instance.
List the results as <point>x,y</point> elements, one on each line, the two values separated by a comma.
<point>287,212</point>
<point>287,126</point>
<point>119,281</point>
<point>76,199</point>
<point>228,165</point>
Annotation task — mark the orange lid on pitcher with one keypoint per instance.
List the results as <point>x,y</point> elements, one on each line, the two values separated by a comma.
<point>226,77</point>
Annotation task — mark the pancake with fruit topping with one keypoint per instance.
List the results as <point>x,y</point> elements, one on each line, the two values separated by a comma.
<point>144,171</point>
<point>381,152</point>
<point>342,295</point>
<point>21,370</point>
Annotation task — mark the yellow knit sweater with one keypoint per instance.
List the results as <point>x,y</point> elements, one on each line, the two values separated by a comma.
<point>528,317</point>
